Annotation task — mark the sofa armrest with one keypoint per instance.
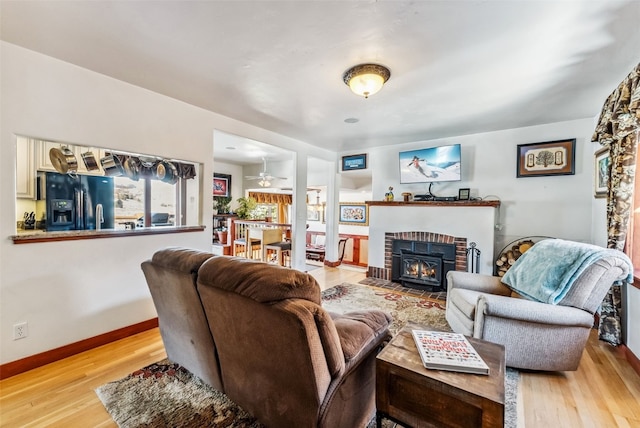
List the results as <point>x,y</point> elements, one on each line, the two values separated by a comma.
<point>530,311</point>
<point>360,332</point>
<point>477,282</point>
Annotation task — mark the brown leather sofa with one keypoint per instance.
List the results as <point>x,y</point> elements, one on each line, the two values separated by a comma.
<point>171,276</point>
<point>278,353</point>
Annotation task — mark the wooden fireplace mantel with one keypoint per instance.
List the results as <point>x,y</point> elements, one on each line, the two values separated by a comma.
<point>492,203</point>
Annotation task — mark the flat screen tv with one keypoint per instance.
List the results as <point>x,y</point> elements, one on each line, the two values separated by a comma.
<point>430,165</point>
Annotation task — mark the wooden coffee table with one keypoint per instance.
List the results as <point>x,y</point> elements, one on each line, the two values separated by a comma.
<point>410,394</point>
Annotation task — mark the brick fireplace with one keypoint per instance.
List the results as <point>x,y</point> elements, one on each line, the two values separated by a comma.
<point>386,272</point>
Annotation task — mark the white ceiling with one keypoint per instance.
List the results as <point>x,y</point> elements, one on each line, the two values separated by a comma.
<point>457,67</point>
<point>239,150</point>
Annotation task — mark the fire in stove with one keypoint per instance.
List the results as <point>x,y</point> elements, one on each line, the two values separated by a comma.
<point>422,268</point>
<point>422,265</point>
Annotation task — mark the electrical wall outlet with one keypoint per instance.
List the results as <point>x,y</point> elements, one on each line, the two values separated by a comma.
<point>20,330</point>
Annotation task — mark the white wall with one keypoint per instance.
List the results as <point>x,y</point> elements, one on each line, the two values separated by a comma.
<point>69,291</point>
<point>473,223</point>
<point>554,206</point>
<point>562,206</point>
<point>345,196</point>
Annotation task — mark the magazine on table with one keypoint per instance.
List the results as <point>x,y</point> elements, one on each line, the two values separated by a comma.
<point>448,351</point>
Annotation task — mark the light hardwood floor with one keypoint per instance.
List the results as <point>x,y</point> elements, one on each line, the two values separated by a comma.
<point>603,392</point>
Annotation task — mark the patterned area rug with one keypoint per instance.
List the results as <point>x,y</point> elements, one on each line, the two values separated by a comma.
<point>402,307</point>
<point>165,394</point>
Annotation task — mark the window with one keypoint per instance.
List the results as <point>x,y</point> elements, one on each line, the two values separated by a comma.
<point>131,198</point>
<point>164,198</point>
<point>267,210</point>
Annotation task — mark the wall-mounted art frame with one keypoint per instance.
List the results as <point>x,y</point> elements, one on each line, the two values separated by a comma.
<point>354,214</point>
<point>313,214</point>
<point>354,162</point>
<point>602,163</point>
<point>548,158</point>
<point>221,185</point>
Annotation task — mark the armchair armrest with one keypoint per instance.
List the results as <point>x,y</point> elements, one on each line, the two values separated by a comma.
<point>477,282</point>
<point>360,332</point>
<point>530,311</point>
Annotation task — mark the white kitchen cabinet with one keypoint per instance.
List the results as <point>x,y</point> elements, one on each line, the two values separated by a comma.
<point>25,171</point>
<point>43,162</point>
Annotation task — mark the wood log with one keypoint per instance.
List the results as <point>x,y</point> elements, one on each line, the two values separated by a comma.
<point>525,245</point>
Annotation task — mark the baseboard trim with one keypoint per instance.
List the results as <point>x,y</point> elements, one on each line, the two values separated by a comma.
<point>631,358</point>
<point>34,361</point>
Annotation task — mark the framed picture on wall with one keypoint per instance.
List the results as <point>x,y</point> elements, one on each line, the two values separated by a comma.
<point>313,214</point>
<point>221,185</point>
<point>548,158</point>
<point>601,172</point>
<point>354,162</point>
<point>354,214</point>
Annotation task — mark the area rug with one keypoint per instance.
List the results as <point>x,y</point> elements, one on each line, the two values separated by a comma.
<point>402,307</point>
<point>166,394</point>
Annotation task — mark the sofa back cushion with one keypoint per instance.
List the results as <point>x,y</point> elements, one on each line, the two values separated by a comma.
<point>171,277</point>
<point>259,281</point>
<point>278,348</point>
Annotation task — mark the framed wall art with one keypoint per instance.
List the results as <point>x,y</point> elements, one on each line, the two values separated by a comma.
<point>313,214</point>
<point>221,185</point>
<point>464,194</point>
<point>354,162</point>
<point>601,172</point>
<point>354,214</point>
<point>548,158</point>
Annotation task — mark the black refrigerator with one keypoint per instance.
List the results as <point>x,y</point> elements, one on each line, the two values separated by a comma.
<point>82,202</point>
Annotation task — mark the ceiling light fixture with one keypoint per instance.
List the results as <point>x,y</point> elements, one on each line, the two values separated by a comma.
<point>366,79</point>
<point>264,182</point>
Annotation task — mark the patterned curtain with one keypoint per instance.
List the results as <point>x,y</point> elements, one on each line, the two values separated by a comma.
<point>271,198</point>
<point>280,199</point>
<point>617,130</point>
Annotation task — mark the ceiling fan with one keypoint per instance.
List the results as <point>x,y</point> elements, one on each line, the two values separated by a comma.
<point>264,177</point>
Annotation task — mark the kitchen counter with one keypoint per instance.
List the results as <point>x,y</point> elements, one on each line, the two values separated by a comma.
<point>23,232</point>
<point>34,236</point>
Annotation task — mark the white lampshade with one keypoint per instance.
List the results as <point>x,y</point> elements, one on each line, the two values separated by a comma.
<point>366,79</point>
<point>264,183</point>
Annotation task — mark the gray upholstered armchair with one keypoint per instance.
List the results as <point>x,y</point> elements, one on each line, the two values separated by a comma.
<point>542,325</point>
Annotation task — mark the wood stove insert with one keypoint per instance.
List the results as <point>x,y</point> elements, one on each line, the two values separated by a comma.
<point>422,265</point>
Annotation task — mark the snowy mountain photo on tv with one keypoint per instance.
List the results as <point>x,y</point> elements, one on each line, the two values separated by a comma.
<point>431,165</point>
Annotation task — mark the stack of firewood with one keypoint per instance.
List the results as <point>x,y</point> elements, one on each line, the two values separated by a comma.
<point>509,256</point>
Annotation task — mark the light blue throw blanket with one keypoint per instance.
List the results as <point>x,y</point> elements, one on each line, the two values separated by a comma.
<point>547,270</point>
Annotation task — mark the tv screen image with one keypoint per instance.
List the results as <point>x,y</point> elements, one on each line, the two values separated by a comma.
<point>430,165</point>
